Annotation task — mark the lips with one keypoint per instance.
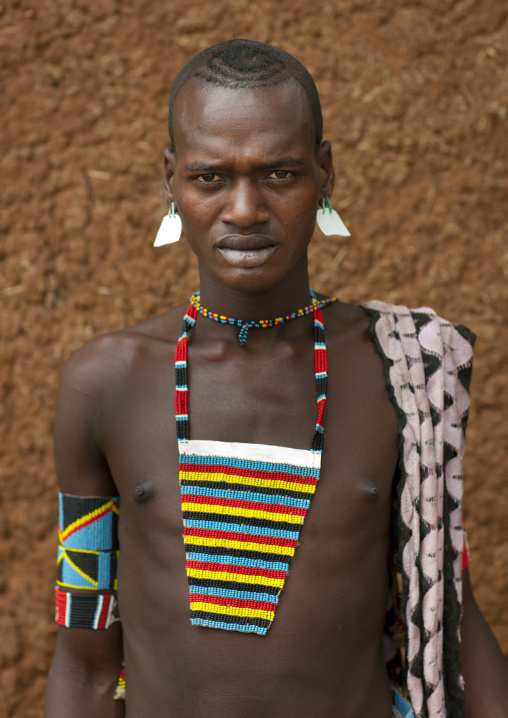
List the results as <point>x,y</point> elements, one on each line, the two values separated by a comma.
<point>240,242</point>
<point>246,251</point>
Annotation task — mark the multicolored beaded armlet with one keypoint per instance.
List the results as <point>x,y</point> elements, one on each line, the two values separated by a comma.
<point>243,508</point>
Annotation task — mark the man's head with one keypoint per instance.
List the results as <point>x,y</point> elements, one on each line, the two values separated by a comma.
<point>247,170</point>
<point>238,64</point>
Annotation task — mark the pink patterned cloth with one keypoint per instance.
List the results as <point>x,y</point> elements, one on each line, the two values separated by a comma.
<point>428,365</point>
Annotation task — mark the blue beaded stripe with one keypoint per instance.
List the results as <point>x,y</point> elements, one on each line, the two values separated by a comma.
<point>246,627</point>
<point>238,527</point>
<point>247,496</point>
<point>228,593</point>
<point>227,486</point>
<point>286,529</point>
<point>238,561</point>
<point>237,587</point>
<point>266,467</point>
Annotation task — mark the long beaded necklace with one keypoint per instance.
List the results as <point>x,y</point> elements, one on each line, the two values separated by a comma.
<point>260,323</point>
<point>243,507</point>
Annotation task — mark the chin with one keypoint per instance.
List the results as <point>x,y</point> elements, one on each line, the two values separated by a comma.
<point>250,281</point>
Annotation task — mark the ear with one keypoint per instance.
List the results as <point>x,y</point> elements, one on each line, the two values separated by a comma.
<point>325,161</point>
<point>168,173</point>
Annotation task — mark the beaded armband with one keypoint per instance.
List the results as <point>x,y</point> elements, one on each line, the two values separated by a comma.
<point>84,611</point>
<point>88,542</point>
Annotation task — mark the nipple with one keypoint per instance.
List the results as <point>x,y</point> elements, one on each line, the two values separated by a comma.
<point>144,491</point>
<point>370,491</point>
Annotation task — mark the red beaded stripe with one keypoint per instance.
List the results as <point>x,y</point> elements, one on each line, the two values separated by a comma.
<point>231,568</point>
<point>236,471</point>
<point>240,504</point>
<point>321,411</point>
<point>181,404</point>
<point>235,536</point>
<point>181,350</point>
<point>61,606</point>
<point>228,601</point>
<point>104,612</point>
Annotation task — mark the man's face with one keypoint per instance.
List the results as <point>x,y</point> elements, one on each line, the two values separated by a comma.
<point>246,179</point>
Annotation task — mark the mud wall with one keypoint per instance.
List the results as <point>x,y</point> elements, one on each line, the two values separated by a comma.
<point>415,98</point>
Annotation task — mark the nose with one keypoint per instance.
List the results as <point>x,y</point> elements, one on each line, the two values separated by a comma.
<point>244,206</point>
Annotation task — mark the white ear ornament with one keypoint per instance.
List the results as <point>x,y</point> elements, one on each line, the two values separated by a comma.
<point>329,221</point>
<point>170,229</point>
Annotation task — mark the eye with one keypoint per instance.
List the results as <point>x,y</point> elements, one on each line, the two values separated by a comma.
<point>208,178</point>
<point>280,174</point>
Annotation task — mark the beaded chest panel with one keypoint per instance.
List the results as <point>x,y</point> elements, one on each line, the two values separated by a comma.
<point>243,507</point>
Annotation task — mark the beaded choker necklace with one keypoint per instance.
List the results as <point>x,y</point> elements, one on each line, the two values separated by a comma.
<point>261,323</point>
<point>243,507</point>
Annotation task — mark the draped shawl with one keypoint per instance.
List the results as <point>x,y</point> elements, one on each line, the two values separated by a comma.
<point>428,365</point>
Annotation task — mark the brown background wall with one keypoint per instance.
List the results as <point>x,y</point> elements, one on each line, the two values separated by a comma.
<point>415,98</point>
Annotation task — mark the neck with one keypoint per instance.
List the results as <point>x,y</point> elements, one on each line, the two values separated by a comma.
<point>288,295</point>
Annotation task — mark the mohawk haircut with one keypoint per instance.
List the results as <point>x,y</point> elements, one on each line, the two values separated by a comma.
<point>239,64</point>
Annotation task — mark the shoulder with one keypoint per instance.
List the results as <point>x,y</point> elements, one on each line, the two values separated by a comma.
<point>110,358</point>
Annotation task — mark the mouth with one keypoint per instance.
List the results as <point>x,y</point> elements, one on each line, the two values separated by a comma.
<point>246,250</point>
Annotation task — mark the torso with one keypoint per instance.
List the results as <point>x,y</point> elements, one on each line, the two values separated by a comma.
<point>322,655</point>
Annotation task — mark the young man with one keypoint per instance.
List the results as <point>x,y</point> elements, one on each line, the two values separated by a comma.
<point>287,615</point>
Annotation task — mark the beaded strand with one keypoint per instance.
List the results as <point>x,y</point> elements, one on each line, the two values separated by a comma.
<point>181,370</point>
<point>260,323</point>
<point>243,507</point>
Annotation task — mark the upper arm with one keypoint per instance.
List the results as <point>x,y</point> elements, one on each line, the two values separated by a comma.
<point>82,469</point>
<point>87,662</point>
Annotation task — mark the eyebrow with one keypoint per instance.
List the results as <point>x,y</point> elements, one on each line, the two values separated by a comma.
<point>282,161</point>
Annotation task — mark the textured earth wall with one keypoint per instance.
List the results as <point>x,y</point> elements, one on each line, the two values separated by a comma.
<point>415,99</point>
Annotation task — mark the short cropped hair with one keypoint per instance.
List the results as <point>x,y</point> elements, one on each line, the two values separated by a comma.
<point>247,64</point>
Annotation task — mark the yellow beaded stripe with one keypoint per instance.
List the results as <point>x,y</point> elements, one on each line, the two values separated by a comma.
<point>247,481</point>
<point>231,576</point>
<point>248,513</point>
<point>242,545</point>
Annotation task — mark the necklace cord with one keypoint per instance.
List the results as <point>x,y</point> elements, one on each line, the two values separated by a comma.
<point>260,323</point>
<point>320,363</point>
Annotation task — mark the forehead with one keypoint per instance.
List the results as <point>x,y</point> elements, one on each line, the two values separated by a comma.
<point>210,119</point>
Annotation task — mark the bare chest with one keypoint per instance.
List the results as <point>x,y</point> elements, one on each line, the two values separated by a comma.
<point>263,402</point>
